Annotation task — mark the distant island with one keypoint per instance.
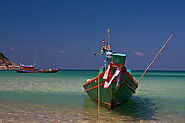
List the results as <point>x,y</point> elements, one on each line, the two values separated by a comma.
<point>5,63</point>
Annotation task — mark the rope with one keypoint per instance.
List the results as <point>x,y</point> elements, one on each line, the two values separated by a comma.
<point>98,99</point>
<point>156,57</point>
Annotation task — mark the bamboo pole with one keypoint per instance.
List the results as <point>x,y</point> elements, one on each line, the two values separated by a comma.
<point>109,36</point>
<point>109,47</point>
<point>156,57</point>
<point>105,65</point>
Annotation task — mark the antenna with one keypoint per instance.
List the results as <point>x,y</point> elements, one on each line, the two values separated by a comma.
<point>20,61</point>
<point>35,54</point>
<point>34,60</point>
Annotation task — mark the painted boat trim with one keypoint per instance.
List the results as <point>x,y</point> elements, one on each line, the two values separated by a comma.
<point>101,75</point>
<point>94,87</point>
<point>131,78</point>
<point>94,79</point>
<point>133,90</point>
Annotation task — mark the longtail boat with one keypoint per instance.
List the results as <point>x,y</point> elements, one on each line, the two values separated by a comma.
<point>31,69</point>
<point>115,82</point>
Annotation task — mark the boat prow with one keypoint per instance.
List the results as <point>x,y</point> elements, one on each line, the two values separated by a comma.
<point>116,93</point>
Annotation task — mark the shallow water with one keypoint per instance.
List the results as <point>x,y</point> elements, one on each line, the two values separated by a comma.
<point>59,97</point>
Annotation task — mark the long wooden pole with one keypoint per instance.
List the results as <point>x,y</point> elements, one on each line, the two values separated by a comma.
<point>98,98</point>
<point>109,47</point>
<point>109,36</point>
<point>156,57</point>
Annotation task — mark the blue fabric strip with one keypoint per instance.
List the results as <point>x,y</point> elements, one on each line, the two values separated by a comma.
<point>122,74</point>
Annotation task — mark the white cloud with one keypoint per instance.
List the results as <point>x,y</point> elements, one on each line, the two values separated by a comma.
<point>139,53</point>
<point>61,51</point>
<point>12,49</point>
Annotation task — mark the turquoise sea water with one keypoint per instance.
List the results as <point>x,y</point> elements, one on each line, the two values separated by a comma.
<point>59,97</point>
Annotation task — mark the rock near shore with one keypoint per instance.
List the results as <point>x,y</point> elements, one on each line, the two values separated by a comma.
<point>5,63</point>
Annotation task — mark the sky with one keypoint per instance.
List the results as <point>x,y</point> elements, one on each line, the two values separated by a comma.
<point>66,33</point>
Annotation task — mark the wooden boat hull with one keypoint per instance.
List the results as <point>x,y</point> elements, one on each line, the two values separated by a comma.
<point>111,96</point>
<point>45,71</point>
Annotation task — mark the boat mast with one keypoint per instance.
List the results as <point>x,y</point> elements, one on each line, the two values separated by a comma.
<point>34,62</point>
<point>109,47</point>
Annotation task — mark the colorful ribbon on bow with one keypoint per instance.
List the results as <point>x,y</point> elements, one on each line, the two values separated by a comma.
<point>120,78</point>
<point>108,74</point>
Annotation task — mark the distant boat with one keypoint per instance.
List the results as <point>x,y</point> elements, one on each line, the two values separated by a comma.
<point>31,69</point>
<point>115,82</point>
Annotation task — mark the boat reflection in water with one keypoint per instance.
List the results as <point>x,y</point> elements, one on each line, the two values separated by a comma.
<point>136,109</point>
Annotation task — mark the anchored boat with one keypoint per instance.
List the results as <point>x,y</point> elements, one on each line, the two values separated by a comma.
<point>31,69</point>
<point>115,82</point>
